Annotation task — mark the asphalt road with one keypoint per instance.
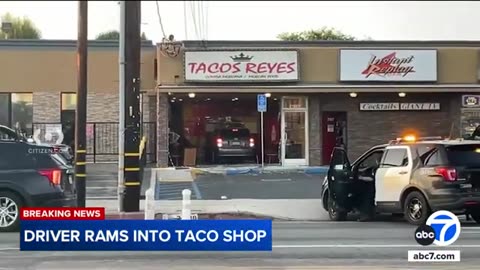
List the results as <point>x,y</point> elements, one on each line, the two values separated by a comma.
<point>102,184</point>
<point>319,245</point>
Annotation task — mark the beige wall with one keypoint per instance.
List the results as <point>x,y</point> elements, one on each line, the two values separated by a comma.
<point>54,70</point>
<point>321,65</point>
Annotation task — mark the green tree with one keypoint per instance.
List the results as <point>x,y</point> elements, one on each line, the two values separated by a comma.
<point>114,35</point>
<point>324,33</point>
<point>22,28</point>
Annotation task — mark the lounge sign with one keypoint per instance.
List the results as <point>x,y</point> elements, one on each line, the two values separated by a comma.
<point>396,106</point>
<point>241,66</point>
<point>388,65</point>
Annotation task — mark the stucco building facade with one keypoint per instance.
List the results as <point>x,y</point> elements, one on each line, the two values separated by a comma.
<point>320,94</point>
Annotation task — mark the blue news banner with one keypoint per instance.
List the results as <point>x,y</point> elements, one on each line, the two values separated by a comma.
<point>146,235</point>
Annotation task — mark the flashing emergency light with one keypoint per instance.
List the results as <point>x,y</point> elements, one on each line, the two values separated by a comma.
<point>409,138</point>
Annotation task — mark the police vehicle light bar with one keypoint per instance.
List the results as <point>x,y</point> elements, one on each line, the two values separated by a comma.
<point>412,138</point>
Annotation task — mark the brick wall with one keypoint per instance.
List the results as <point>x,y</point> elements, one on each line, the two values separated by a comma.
<point>366,129</point>
<point>46,107</point>
<point>162,129</point>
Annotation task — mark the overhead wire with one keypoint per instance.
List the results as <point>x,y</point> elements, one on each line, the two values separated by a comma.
<point>201,20</point>
<point>160,20</point>
<point>185,21</point>
<point>193,9</point>
<point>206,19</point>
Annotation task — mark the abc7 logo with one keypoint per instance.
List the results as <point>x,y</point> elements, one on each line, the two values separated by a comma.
<point>425,235</point>
<point>442,229</point>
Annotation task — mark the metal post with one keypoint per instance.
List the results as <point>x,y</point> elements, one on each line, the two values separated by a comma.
<point>121,114</point>
<point>263,139</point>
<point>81,112</point>
<point>132,181</point>
<point>186,202</point>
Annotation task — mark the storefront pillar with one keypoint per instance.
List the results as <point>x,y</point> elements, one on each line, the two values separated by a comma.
<point>314,134</point>
<point>162,129</point>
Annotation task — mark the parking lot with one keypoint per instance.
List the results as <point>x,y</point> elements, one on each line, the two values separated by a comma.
<point>102,184</point>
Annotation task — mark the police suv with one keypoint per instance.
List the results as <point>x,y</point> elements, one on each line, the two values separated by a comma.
<point>413,177</point>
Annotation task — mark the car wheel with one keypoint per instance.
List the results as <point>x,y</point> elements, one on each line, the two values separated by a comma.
<point>334,212</point>
<point>416,209</point>
<point>10,205</point>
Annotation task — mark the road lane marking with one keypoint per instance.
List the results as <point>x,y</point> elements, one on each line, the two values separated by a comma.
<point>9,248</point>
<point>276,180</point>
<point>366,246</point>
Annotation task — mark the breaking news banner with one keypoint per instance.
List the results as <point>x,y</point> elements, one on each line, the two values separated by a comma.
<point>62,213</point>
<point>81,234</point>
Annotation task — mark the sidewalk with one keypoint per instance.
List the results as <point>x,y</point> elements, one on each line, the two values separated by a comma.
<point>281,209</point>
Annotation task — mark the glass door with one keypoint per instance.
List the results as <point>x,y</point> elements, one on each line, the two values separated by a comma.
<point>294,131</point>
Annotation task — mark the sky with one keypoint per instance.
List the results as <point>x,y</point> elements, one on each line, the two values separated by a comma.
<point>258,20</point>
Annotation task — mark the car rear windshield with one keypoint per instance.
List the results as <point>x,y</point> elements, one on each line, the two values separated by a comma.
<point>235,133</point>
<point>464,155</point>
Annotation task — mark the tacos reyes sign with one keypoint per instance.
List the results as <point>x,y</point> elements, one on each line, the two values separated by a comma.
<point>388,65</point>
<point>241,66</point>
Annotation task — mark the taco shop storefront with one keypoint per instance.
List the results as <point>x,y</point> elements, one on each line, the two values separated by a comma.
<point>356,95</point>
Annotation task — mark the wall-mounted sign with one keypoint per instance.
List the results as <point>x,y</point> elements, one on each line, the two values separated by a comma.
<point>241,66</point>
<point>471,101</point>
<point>388,65</point>
<point>396,106</point>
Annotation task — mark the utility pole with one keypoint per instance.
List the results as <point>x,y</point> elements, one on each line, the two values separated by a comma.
<point>81,112</point>
<point>121,113</point>
<point>132,47</point>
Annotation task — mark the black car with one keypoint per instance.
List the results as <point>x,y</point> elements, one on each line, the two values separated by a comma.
<point>9,134</point>
<point>232,140</point>
<point>412,177</point>
<point>32,176</point>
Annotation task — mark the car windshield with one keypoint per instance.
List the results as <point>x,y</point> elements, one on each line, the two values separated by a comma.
<point>464,155</point>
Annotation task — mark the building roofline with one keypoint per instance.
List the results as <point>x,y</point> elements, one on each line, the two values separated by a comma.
<point>329,43</point>
<point>64,43</point>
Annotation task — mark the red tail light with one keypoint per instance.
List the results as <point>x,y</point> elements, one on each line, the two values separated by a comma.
<point>53,175</point>
<point>219,142</point>
<point>449,174</point>
<point>252,142</point>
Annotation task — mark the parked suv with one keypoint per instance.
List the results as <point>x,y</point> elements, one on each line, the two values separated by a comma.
<point>9,134</point>
<point>32,176</point>
<point>412,177</point>
<point>232,140</point>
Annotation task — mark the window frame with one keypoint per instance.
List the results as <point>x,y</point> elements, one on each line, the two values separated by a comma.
<point>382,163</point>
<point>61,101</point>
<point>9,95</point>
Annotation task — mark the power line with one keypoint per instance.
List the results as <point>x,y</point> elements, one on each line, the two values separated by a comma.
<point>206,20</point>
<point>185,19</point>
<point>192,7</point>
<point>160,20</point>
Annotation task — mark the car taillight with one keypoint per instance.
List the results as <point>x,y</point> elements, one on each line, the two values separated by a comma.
<point>448,174</point>
<point>219,142</point>
<point>53,175</point>
<point>252,142</point>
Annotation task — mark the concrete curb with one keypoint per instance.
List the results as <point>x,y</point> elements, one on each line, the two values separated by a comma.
<point>256,170</point>
<point>281,209</point>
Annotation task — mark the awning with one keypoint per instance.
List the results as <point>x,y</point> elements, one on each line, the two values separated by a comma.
<point>323,88</point>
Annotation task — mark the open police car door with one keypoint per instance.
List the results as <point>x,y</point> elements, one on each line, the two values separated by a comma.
<point>340,185</point>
